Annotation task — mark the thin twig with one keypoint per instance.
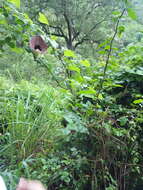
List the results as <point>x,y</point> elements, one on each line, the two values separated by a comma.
<point>45,65</point>
<point>109,53</point>
<point>62,62</point>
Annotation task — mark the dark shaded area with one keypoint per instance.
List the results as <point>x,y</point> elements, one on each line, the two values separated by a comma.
<point>38,47</point>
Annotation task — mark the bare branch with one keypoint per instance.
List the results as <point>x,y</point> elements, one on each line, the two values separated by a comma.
<point>85,39</point>
<point>109,52</point>
<point>86,36</point>
<point>75,35</point>
<point>93,7</point>
<point>93,28</point>
<point>68,26</point>
<point>58,31</point>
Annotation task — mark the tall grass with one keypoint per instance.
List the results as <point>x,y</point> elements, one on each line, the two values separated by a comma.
<point>29,119</point>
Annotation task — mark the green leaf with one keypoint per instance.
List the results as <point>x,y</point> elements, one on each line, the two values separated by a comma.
<point>123,120</point>
<point>90,91</point>
<point>17,50</point>
<point>138,101</point>
<point>102,52</point>
<point>121,29</point>
<point>132,14</point>
<point>27,18</point>
<point>117,85</point>
<point>53,37</point>
<point>11,44</point>
<point>78,77</point>
<point>42,18</point>
<point>53,43</point>
<point>100,97</point>
<point>85,63</point>
<point>69,53</point>
<point>116,13</point>
<point>15,2</point>
<point>107,127</point>
<point>2,19</point>
<point>74,68</point>
<point>3,22</point>
<point>107,47</point>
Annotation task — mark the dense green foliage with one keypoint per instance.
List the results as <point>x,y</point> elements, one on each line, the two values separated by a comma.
<point>70,118</point>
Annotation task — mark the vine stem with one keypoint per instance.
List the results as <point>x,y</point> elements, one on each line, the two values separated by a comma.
<point>109,53</point>
<point>46,66</point>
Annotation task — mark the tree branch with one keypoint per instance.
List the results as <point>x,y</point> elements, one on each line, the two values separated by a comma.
<point>58,33</point>
<point>92,9</point>
<point>42,62</point>
<point>69,29</point>
<point>109,53</point>
<point>76,34</point>
<point>83,40</point>
<point>85,37</point>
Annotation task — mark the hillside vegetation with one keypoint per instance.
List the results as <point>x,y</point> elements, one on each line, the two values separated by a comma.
<point>72,116</point>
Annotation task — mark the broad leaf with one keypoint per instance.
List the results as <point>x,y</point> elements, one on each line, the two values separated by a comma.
<point>100,97</point>
<point>117,85</point>
<point>85,63</point>
<point>78,77</point>
<point>123,120</point>
<point>27,18</point>
<point>138,101</point>
<point>116,13</point>
<point>132,14</point>
<point>17,50</point>
<point>74,68</point>
<point>69,53</point>
<point>42,18</point>
<point>15,2</point>
<point>3,21</point>
<point>121,29</point>
<point>90,91</point>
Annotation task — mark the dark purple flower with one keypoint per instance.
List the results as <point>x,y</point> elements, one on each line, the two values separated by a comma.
<point>38,44</point>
